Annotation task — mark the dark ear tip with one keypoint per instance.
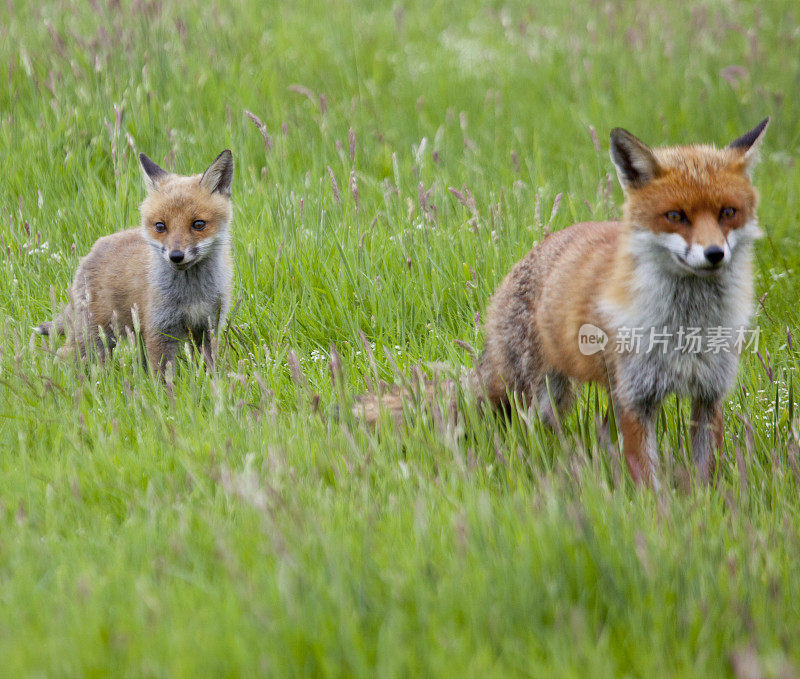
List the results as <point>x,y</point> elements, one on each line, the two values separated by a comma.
<point>758,129</point>
<point>747,140</point>
<point>143,158</point>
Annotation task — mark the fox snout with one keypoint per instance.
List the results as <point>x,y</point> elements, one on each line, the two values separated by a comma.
<point>714,254</point>
<point>706,258</point>
<point>181,256</point>
<point>709,248</point>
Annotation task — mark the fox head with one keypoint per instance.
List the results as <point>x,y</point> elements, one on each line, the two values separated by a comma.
<point>183,218</point>
<point>691,205</point>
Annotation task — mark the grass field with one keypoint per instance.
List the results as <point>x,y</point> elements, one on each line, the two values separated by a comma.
<point>230,524</point>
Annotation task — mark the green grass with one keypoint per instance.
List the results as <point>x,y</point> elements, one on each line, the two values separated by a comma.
<point>230,525</point>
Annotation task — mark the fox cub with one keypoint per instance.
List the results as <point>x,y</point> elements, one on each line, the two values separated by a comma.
<point>174,271</point>
<point>616,302</point>
<point>679,263</point>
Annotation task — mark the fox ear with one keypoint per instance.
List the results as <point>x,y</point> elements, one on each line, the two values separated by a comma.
<point>219,175</point>
<point>152,172</point>
<point>749,143</point>
<point>636,165</point>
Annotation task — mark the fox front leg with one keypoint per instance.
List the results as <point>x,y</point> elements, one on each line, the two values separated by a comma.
<point>208,336</point>
<point>706,436</point>
<point>208,347</point>
<point>161,351</point>
<point>639,445</point>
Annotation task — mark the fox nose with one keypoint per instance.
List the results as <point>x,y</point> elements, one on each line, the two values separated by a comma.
<point>714,254</point>
<point>176,256</point>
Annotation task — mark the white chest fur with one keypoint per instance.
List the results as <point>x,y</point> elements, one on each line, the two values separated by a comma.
<point>652,335</point>
<point>192,299</point>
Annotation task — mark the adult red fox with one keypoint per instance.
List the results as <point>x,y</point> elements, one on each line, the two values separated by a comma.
<point>678,262</point>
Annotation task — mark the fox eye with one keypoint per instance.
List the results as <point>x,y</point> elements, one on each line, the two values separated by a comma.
<point>677,217</point>
<point>160,227</point>
<point>727,213</point>
<point>198,225</point>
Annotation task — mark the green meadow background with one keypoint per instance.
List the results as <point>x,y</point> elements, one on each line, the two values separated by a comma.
<point>399,159</point>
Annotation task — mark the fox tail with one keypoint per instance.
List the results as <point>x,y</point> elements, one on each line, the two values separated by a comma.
<point>54,327</point>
